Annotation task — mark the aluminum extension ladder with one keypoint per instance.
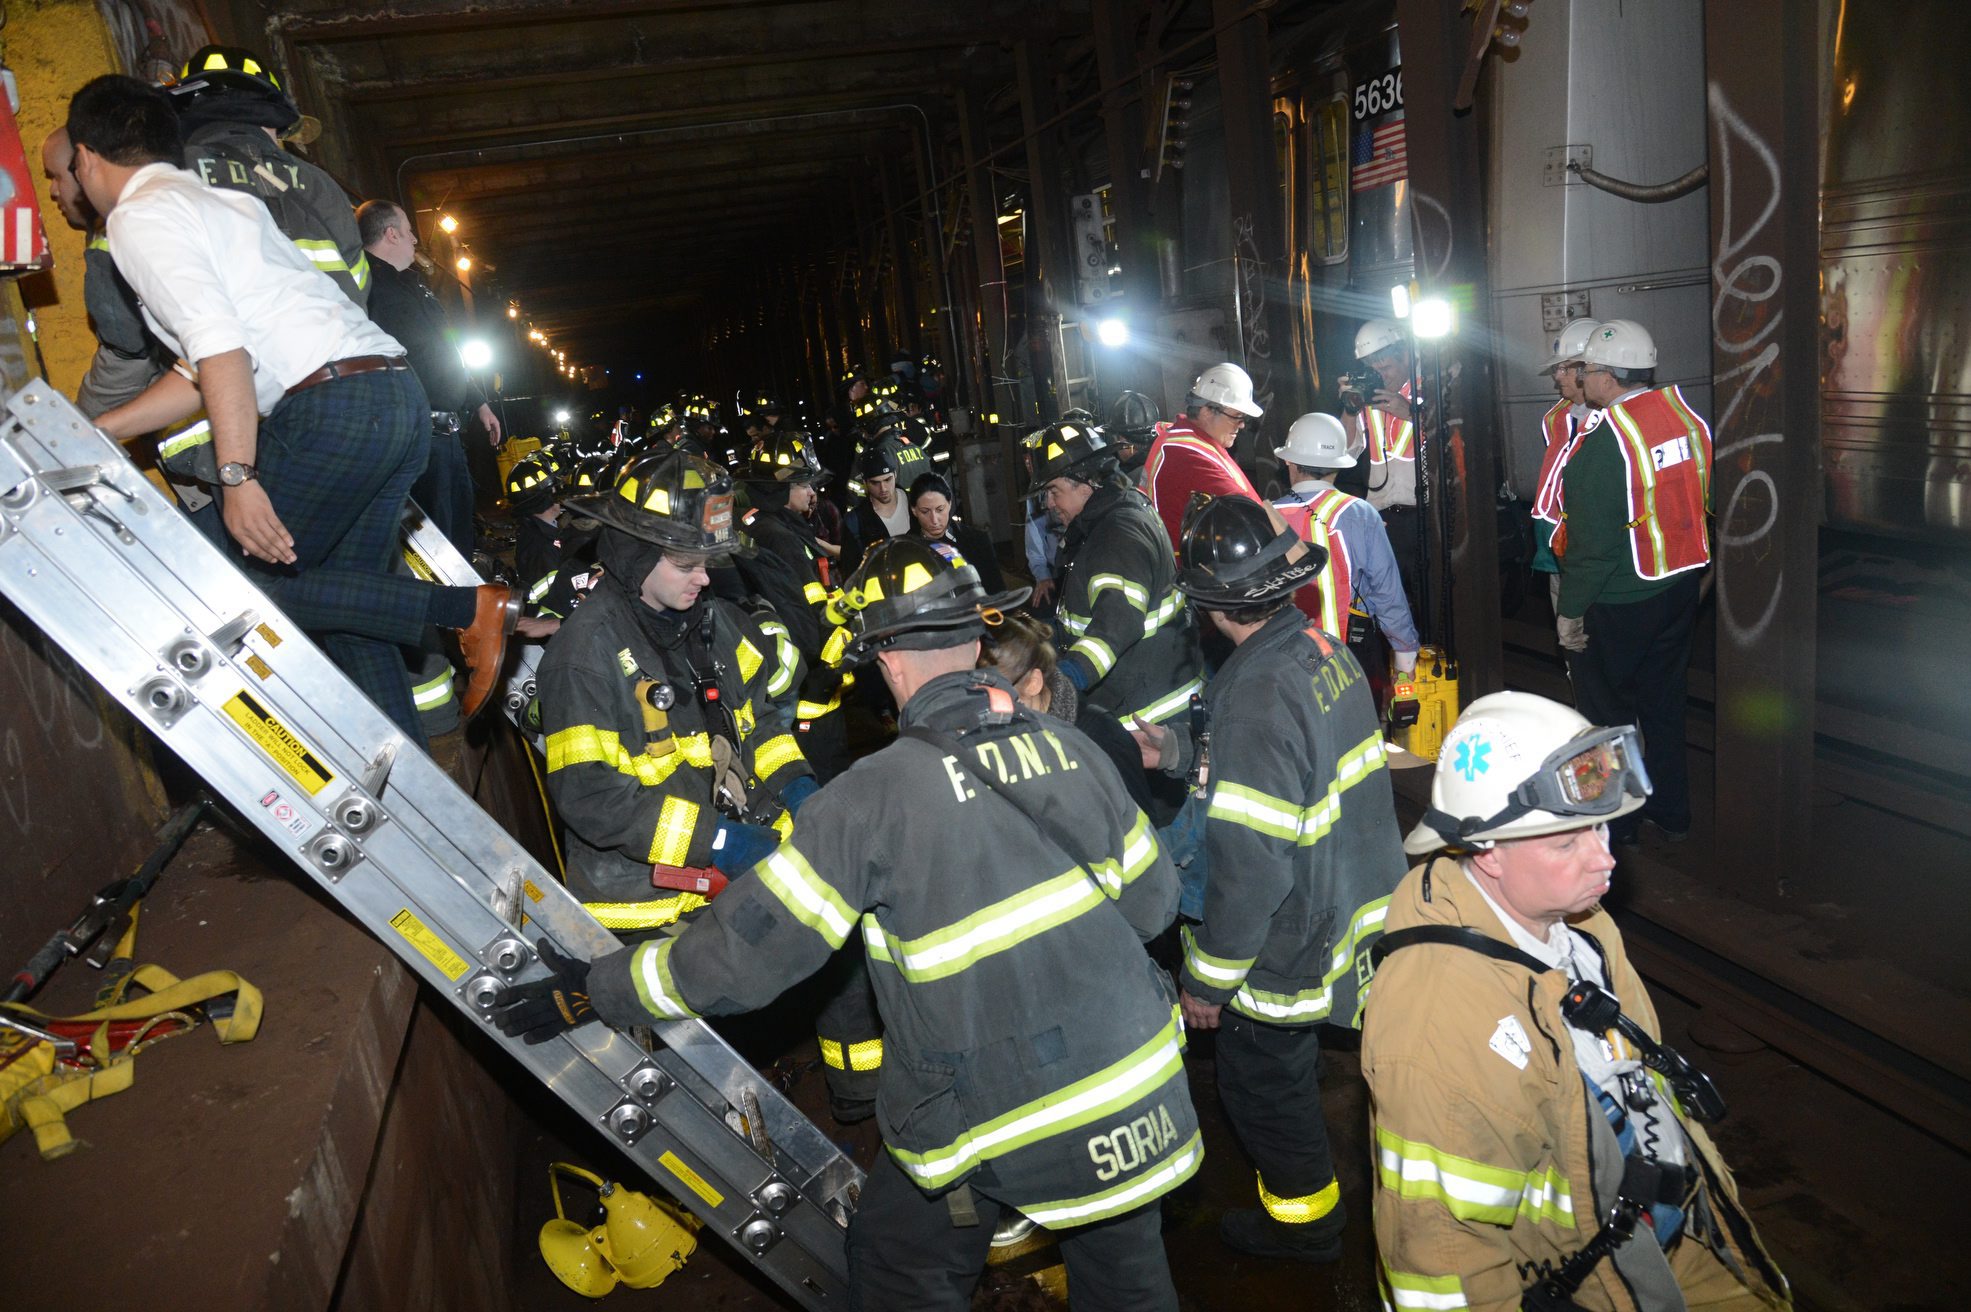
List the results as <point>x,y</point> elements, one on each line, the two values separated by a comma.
<point>108,568</point>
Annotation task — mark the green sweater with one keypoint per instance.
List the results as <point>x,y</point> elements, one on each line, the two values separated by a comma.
<point>1599,567</point>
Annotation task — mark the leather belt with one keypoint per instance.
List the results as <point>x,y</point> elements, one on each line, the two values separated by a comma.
<point>349,368</point>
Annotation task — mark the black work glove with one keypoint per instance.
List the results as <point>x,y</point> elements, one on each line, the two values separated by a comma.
<point>542,1008</point>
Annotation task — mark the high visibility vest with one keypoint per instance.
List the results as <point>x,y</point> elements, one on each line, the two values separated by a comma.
<point>1324,599</point>
<point>1389,437</point>
<point>1560,433</point>
<point>1667,450</point>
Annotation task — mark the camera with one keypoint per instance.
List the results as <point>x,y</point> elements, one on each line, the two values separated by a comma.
<point>1357,386</point>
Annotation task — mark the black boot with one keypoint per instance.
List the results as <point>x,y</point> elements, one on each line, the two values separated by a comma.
<point>1251,1230</point>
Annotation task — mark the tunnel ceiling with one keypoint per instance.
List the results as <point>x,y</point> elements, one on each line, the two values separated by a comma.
<point>622,168</point>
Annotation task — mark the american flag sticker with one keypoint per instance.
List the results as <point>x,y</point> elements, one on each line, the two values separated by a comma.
<point>1379,157</point>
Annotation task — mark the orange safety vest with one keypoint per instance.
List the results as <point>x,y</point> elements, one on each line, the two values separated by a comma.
<point>1325,599</point>
<point>1667,450</point>
<point>1389,437</point>
<point>1558,431</point>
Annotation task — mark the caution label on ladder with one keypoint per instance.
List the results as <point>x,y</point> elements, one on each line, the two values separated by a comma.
<point>692,1180</point>
<point>419,935</point>
<point>279,742</point>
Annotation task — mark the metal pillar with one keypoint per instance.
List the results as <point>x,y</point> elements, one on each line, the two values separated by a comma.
<point>1259,242</point>
<point>995,397</point>
<point>1120,61</point>
<point>1766,486</point>
<point>1447,175</point>
<point>1050,281</point>
<point>904,287</point>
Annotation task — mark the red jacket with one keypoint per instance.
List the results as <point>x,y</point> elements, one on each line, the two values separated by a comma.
<point>1183,461</point>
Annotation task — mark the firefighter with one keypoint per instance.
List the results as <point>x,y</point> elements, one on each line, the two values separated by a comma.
<point>552,575</point>
<point>1560,430</point>
<point>233,111</point>
<point>781,481</point>
<point>1386,432</point>
<point>1035,1056</point>
<point>1133,427</point>
<point>1633,544</point>
<point>1302,848</point>
<point>666,753</point>
<point>1194,454</point>
<point>1512,1124</point>
<point>1361,564</point>
<point>1131,648</point>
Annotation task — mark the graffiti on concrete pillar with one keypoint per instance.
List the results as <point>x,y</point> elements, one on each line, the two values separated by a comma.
<point>1746,314</point>
<point>1255,338</point>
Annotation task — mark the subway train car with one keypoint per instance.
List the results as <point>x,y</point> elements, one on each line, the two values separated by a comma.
<point>1587,93</point>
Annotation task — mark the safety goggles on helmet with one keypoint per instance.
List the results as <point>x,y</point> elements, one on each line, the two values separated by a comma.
<point>1589,776</point>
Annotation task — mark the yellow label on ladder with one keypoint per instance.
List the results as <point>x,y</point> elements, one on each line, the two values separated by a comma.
<point>282,745</point>
<point>450,964</point>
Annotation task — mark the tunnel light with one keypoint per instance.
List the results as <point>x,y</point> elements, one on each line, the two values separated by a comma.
<point>562,417</point>
<point>447,224</point>
<point>1399,300</point>
<point>1433,319</point>
<point>475,354</point>
<point>1112,332</point>
<point>513,312</point>
<point>639,378</point>
<point>464,264</point>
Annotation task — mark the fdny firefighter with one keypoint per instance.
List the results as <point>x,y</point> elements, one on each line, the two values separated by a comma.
<point>1035,1052</point>
<point>232,111</point>
<point>1560,430</point>
<point>1194,454</point>
<point>667,755</point>
<point>1130,645</point>
<point>1536,1145</point>
<point>781,479</point>
<point>1303,850</point>
<point>1387,434</point>
<point>1633,544</point>
<point>1361,564</point>
<point>547,556</point>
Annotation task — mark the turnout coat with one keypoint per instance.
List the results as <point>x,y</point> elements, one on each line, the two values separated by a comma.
<point>1031,1047</point>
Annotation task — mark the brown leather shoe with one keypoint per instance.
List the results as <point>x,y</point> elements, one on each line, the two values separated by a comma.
<point>484,644</point>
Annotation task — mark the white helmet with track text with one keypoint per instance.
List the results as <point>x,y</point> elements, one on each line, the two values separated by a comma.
<point>1229,388</point>
<point>1316,441</point>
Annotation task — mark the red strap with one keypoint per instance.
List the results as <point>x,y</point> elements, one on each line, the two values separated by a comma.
<point>1320,640</point>
<point>998,700</point>
<point>705,881</point>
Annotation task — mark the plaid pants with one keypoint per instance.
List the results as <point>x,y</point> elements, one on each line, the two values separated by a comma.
<point>338,461</point>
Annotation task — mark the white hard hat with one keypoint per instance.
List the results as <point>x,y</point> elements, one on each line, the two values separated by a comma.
<point>1570,342</point>
<point>1377,335</point>
<point>1229,388</point>
<point>1516,766</point>
<point>1317,441</point>
<point>1621,344</point>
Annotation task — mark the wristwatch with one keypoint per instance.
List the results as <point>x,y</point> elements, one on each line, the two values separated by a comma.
<point>233,473</point>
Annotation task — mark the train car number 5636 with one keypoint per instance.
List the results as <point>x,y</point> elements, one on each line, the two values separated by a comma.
<point>1379,94</point>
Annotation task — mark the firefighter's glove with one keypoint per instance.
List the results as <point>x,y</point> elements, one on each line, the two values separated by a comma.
<point>739,847</point>
<point>540,1009</point>
<point>798,791</point>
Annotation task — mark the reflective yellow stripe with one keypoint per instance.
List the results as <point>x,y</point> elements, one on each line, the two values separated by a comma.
<point>1100,657</point>
<point>1165,706</point>
<point>670,845</point>
<point>806,710</point>
<point>540,588</point>
<point>1471,1190</point>
<point>775,755</point>
<point>814,593</point>
<point>643,915</point>
<point>431,695</point>
<point>1299,1211</point>
<point>650,970</point>
<point>749,660</point>
<point>581,744</point>
<point>1131,592</point>
<point>866,1055</point>
<point>1408,1289</point>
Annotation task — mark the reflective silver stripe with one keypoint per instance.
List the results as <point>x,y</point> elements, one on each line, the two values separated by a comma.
<point>1164,707</point>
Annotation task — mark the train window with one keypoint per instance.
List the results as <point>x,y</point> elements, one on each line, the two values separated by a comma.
<point>1327,180</point>
<point>1284,151</point>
